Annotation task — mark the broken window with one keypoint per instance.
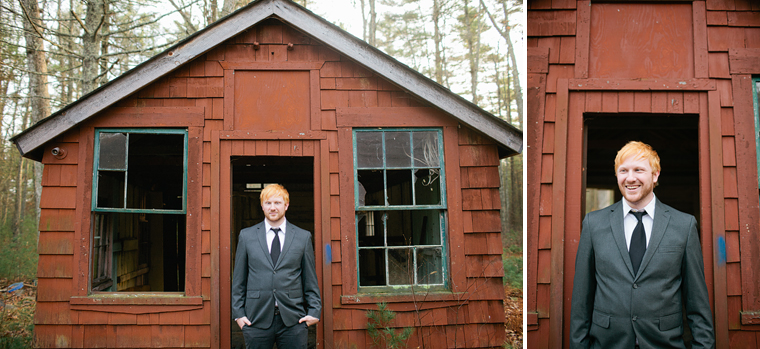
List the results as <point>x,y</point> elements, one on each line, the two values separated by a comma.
<point>400,207</point>
<point>139,207</point>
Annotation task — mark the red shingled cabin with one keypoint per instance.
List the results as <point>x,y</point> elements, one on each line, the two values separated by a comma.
<point>149,179</point>
<point>680,75</point>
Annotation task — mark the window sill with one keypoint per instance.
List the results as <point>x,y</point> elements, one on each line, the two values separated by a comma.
<point>136,303</point>
<point>424,296</point>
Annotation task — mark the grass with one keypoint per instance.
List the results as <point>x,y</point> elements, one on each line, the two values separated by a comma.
<point>513,266</point>
<point>18,262</point>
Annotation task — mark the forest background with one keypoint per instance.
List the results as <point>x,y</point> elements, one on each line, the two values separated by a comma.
<point>52,52</point>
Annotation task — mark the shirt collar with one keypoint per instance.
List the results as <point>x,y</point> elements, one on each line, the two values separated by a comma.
<point>649,207</point>
<point>282,226</point>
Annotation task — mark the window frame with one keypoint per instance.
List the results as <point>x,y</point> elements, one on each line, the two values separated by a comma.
<point>96,169</point>
<point>104,211</point>
<point>442,209</point>
<point>756,110</point>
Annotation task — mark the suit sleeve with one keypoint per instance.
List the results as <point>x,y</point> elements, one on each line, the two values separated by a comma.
<point>584,288</point>
<point>309,281</point>
<point>240,279</point>
<point>694,291</point>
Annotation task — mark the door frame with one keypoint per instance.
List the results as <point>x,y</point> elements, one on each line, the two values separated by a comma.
<point>226,144</point>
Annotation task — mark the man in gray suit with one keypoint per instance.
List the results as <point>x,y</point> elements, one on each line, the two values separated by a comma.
<point>638,267</point>
<point>275,294</point>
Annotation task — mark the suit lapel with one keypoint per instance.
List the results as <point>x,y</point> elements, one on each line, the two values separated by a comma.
<point>618,232</point>
<point>661,220</point>
<point>261,235</point>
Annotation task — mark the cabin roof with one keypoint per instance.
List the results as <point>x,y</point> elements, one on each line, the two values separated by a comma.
<point>29,141</point>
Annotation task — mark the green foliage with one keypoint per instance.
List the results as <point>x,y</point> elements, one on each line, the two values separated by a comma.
<point>380,330</point>
<point>513,266</point>
<point>18,257</point>
<point>16,318</point>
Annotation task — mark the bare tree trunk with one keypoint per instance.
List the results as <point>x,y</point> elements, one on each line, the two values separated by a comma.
<point>227,7</point>
<point>372,23</point>
<point>511,51</point>
<point>437,41</point>
<point>472,39</point>
<point>39,97</point>
<point>95,17</point>
<point>364,21</point>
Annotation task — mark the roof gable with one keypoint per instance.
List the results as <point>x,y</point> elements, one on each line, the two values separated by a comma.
<point>217,33</point>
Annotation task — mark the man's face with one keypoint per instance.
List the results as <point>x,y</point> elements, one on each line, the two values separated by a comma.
<point>636,181</point>
<point>274,209</point>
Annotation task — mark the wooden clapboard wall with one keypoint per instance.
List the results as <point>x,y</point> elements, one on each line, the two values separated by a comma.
<point>706,56</point>
<point>201,95</point>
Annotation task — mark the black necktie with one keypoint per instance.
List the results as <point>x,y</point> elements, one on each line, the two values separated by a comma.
<point>638,242</point>
<point>275,251</point>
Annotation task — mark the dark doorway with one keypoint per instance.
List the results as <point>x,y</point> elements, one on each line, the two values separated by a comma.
<point>249,175</point>
<point>674,137</point>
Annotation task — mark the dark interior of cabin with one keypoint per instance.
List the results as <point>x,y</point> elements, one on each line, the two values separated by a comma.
<point>249,175</point>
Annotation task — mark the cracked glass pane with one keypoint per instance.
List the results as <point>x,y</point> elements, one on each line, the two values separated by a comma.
<point>426,152</point>
<point>400,266</point>
<point>429,266</point>
<point>369,149</point>
<point>397,149</point>
<point>113,151</point>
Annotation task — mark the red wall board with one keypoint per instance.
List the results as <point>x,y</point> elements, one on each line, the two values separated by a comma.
<point>691,102</point>
<point>730,188</point>
<point>729,151</point>
<point>659,102</point>
<point>557,72</point>
<point>122,319</point>
<point>484,266</point>
<point>720,5</point>
<point>550,108</point>
<point>718,67</point>
<point>593,102</point>
<point>56,243</point>
<point>471,199</point>
<point>717,18</point>
<point>57,220</point>
<point>734,313</point>
<point>744,61</point>
<point>567,50</point>
<point>752,36</point>
<point>271,100</point>
<point>54,313</point>
<point>626,102</point>
<point>332,99</point>
<point>724,38</point>
<point>545,203</point>
<point>742,339</point>
<point>478,155</point>
<point>476,244</point>
<point>362,83</point>
<point>486,221</point>
<point>53,290</point>
<point>167,336</point>
<point>641,41</point>
<point>539,59</point>
<point>675,102</point>
<point>551,23</point>
<point>744,19</point>
<point>610,102</point>
<point>55,266</point>
<point>642,102</point>
<point>544,267</point>
<point>733,279</point>
<point>362,98</point>
<point>52,336</point>
<point>197,336</point>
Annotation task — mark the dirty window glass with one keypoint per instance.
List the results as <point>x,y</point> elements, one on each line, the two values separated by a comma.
<point>400,208</point>
<point>138,230</point>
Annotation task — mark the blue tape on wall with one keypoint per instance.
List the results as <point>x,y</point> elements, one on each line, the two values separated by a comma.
<point>328,254</point>
<point>721,250</point>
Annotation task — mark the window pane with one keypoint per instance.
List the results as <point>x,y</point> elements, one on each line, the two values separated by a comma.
<point>426,227</point>
<point>429,266</point>
<point>113,151</point>
<point>400,266</point>
<point>369,149</point>
<point>426,152</point>
<point>427,187</point>
<point>399,187</point>
<point>370,228</point>
<point>370,189</point>
<point>156,171</point>
<point>372,267</point>
<point>397,149</point>
<point>399,228</point>
<point>110,189</point>
<point>147,252</point>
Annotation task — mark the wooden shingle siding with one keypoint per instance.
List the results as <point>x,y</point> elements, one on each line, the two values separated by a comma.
<point>722,51</point>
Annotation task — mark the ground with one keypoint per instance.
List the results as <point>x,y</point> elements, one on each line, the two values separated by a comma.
<point>17,315</point>
<point>513,304</point>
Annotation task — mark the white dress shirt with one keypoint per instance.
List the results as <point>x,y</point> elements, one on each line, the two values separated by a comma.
<point>270,234</point>
<point>630,221</point>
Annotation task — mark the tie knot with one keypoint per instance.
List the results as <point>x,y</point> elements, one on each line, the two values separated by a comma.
<point>276,230</point>
<point>639,214</point>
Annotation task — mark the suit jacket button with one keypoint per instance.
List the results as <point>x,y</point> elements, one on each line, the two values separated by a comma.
<point>635,286</point>
<point>635,318</point>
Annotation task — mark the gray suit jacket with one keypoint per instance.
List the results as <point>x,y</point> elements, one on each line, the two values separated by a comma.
<point>256,282</point>
<point>612,307</point>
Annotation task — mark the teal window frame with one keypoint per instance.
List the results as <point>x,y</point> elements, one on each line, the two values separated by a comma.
<point>442,207</point>
<point>105,279</point>
<point>96,168</point>
<point>756,104</point>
